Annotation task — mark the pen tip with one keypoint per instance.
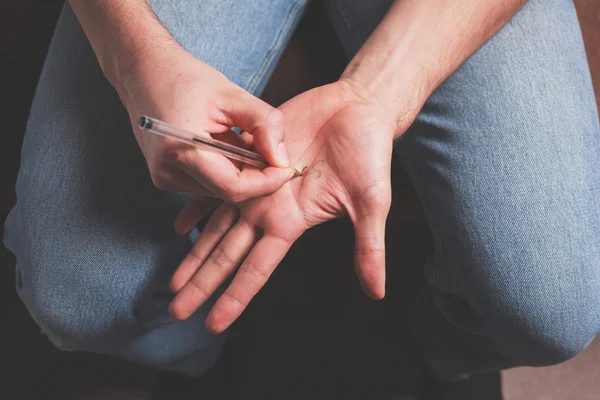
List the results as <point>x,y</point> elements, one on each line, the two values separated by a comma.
<point>297,173</point>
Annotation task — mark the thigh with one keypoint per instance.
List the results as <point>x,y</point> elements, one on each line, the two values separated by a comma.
<point>93,238</point>
<point>504,158</point>
<point>243,40</point>
<point>503,155</point>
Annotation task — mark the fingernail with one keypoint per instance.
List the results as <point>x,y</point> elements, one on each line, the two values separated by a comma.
<point>282,155</point>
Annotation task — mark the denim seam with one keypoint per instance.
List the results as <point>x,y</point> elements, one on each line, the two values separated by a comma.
<point>271,53</point>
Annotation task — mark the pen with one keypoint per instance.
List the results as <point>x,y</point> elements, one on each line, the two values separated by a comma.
<point>205,142</point>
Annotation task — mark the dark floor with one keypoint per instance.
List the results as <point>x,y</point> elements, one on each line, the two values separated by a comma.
<point>342,345</point>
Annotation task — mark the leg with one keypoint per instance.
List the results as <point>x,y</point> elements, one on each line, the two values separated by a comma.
<point>93,238</point>
<point>503,156</point>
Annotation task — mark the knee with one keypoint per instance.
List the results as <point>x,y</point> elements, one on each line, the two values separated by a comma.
<point>73,312</point>
<point>533,286</point>
<point>552,342</point>
<point>545,327</point>
<point>115,314</point>
<point>78,285</point>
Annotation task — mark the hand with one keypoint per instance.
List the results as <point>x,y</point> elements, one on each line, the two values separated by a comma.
<point>342,139</point>
<point>178,88</point>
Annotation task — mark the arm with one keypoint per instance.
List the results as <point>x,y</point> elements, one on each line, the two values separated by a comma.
<point>355,122</point>
<point>120,32</point>
<point>154,75</point>
<point>418,45</point>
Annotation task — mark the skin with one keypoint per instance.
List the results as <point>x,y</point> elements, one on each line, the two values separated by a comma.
<point>155,76</point>
<point>343,135</point>
<point>325,127</point>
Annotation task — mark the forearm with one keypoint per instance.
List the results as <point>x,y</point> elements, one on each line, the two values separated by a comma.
<point>419,44</point>
<point>121,32</point>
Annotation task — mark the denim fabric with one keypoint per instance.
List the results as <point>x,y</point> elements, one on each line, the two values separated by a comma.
<point>93,238</point>
<point>503,156</point>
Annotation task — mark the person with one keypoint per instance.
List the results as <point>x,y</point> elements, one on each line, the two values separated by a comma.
<point>488,105</point>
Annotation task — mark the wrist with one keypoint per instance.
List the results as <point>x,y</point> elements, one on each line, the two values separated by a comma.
<point>133,68</point>
<point>141,59</point>
<point>123,34</point>
<point>400,95</point>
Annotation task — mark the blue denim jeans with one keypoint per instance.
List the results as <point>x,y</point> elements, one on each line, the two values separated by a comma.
<point>503,156</point>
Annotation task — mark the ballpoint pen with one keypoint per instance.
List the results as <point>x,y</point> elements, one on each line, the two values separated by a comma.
<point>205,142</point>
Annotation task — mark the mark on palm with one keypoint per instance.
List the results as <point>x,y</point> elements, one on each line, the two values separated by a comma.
<point>314,168</point>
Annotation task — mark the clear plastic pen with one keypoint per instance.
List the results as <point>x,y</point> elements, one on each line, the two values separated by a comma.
<point>204,142</point>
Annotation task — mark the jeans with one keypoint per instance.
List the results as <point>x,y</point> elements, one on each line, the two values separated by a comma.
<point>502,156</point>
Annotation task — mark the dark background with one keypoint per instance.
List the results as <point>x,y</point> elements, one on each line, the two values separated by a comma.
<point>297,340</point>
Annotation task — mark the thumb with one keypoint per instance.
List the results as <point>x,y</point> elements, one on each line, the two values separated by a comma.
<point>369,253</point>
<point>262,121</point>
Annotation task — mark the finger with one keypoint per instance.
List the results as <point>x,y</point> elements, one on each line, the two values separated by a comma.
<point>369,253</point>
<point>193,213</point>
<point>189,189</point>
<point>224,179</point>
<point>250,278</point>
<point>243,140</point>
<point>176,180</point>
<point>222,176</point>
<point>237,139</point>
<point>262,121</point>
<point>217,226</point>
<point>221,263</point>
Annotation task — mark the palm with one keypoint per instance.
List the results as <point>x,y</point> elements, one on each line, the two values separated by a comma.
<point>344,148</point>
<point>331,152</point>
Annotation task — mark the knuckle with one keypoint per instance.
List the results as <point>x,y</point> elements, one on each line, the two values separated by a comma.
<point>234,194</point>
<point>369,250</point>
<point>220,258</point>
<point>245,224</point>
<point>196,257</point>
<point>274,117</point>
<point>215,228</point>
<point>378,195</point>
<point>223,217</point>
<point>254,273</point>
<point>235,299</point>
<point>198,287</point>
<point>181,158</point>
